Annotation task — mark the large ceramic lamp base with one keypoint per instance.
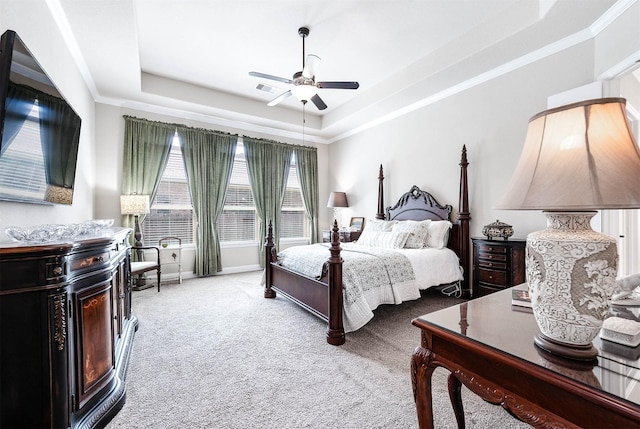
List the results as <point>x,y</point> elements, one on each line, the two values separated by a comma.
<point>571,272</point>
<point>571,351</point>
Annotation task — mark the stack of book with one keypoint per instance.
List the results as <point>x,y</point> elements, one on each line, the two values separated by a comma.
<point>521,300</point>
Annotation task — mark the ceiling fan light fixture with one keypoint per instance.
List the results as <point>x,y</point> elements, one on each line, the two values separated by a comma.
<point>304,92</point>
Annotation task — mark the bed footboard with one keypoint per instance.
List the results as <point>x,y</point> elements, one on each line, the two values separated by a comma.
<point>320,298</point>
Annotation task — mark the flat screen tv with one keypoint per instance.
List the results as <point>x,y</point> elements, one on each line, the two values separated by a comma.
<point>39,130</point>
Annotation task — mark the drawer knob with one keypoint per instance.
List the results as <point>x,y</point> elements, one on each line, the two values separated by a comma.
<point>57,271</point>
<point>98,259</point>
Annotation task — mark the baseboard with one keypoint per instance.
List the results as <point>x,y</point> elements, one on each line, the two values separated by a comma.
<point>240,269</point>
<point>173,277</point>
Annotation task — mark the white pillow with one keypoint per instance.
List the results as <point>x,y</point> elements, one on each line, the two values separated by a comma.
<point>438,234</point>
<point>383,239</point>
<point>368,237</point>
<point>379,225</point>
<point>418,232</point>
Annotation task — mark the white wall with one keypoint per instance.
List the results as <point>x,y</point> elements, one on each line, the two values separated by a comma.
<point>490,118</point>
<point>31,20</point>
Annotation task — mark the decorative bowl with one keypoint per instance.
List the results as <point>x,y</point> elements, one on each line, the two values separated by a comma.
<point>36,234</point>
<point>497,229</point>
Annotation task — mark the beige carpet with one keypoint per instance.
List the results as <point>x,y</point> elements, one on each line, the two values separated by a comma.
<point>213,353</point>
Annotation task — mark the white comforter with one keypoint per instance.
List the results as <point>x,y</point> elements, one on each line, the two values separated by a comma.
<point>373,276</point>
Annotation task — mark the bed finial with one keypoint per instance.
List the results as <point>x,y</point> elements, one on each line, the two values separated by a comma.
<point>335,330</point>
<point>464,217</point>
<point>268,251</point>
<point>380,214</point>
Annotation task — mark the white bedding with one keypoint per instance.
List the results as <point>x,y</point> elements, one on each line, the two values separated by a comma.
<point>374,276</point>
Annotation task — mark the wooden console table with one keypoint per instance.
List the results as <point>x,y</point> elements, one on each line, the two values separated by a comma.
<point>66,330</point>
<point>489,348</point>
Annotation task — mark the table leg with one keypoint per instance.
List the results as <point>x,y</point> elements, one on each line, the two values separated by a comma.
<point>421,374</point>
<point>455,395</point>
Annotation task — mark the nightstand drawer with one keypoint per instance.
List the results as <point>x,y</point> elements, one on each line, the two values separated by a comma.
<point>498,278</point>
<point>491,248</point>
<point>492,264</point>
<point>491,257</point>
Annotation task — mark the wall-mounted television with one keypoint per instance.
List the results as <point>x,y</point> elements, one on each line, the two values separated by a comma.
<point>39,130</point>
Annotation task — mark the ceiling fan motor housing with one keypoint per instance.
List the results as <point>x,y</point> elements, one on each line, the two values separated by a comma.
<point>299,79</point>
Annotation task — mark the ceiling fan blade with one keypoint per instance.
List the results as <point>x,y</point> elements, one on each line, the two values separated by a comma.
<point>310,66</point>
<point>279,98</point>
<point>318,102</point>
<point>338,85</point>
<point>268,76</point>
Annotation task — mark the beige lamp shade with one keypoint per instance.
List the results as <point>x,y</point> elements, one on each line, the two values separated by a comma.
<point>337,199</point>
<point>134,204</point>
<point>581,156</point>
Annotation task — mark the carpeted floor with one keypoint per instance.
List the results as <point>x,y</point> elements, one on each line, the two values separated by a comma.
<point>213,353</point>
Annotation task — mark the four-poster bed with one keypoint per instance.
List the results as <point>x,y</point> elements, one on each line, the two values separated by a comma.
<point>322,295</point>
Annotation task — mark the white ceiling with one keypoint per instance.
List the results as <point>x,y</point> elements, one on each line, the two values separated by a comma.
<point>191,58</point>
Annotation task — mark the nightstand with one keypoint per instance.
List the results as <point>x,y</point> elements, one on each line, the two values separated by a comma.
<point>171,253</point>
<point>345,236</point>
<point>497,265</point>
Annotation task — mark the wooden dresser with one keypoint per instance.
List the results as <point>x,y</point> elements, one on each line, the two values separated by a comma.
<point>497,264</point>
<point>66,330</point>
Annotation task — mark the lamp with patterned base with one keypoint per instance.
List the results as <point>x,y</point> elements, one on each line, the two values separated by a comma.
<point>576,159</point>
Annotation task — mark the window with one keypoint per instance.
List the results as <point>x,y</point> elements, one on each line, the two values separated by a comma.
<point>22,164</point>
<point>239,220</point>
<point>293,220</point>
<point>172,210</point>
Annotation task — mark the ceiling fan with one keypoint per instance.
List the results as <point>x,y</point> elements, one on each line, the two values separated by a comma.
<point>304,85</point>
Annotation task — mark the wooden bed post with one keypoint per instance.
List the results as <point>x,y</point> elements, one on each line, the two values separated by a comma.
<point>380,214</point>
<point>268,251</point>
<point>335,331</point>
<point>464,217</point>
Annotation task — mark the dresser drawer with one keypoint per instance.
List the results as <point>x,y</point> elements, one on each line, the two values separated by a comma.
<point>494,277</point>
<point>88,260</point>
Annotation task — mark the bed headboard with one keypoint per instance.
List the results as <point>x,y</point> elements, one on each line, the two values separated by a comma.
<point>421,205</point>
<point>418,205</point>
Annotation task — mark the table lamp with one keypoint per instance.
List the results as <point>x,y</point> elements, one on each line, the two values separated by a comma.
<point>135,205</point>
<point>576,159</point>
<point>337,200</point>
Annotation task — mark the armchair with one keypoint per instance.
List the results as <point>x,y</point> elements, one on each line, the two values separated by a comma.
<point>141,267</point>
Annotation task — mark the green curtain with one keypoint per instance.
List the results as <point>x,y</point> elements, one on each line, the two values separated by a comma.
<point>20,101</point>
<point>268,165</point>
<point>208,159</point>
<point>146,151</point>
<point>307,167</point>
<point>60,134</point>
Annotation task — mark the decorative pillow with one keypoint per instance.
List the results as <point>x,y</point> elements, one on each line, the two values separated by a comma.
<point>418,232</point>
<point>438,236</point>
<point>383,239</point>
<point>368,237</point>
